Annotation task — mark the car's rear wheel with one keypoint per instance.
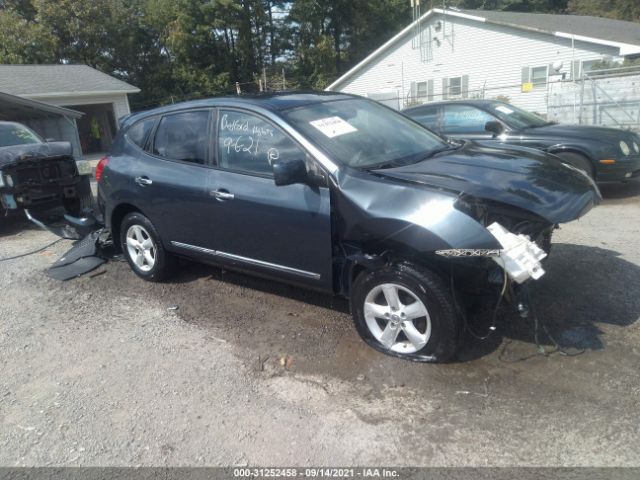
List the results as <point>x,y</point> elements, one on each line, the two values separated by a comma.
<point>579,161</point>
<point>142,247</point>
<point>406,311</point>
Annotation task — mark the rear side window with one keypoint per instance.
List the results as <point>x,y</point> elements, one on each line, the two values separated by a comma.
<point>183,136</point>
<point>427,117</point>
<point>139,131</point>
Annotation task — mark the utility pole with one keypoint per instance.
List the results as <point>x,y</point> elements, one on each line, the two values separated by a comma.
<point>238,88</point>
<point>264,78</point>
<point>284,81</point>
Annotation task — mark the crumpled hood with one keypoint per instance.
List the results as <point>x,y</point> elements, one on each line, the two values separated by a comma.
<point>585,132</point>
<point>526,179</point>
<point>34,151</point>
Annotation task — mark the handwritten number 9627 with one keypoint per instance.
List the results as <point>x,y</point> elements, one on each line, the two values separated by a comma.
<point>242,144</point>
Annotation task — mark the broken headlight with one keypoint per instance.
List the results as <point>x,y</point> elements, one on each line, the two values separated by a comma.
<point>520,257</point>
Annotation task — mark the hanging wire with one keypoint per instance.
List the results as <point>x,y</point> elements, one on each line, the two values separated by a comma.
<point>5,259</point>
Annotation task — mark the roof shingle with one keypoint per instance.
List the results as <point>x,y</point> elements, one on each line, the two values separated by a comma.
<point>595,27</point>
<point>42,80</point>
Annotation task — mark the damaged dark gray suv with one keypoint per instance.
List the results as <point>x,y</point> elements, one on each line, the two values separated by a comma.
<point>340,194</point>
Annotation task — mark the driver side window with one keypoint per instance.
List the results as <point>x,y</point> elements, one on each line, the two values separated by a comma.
<point>247,143</point>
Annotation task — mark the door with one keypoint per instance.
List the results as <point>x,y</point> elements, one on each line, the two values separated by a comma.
<point>171,177</point>
<point>460,121</point>
<point>285,231</point>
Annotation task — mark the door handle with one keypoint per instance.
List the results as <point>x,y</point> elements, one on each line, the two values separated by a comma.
<point>143,181</point>
<point>222,195</point>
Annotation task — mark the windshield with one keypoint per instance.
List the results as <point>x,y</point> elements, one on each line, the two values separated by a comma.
<point>516,117</point>
<point>363,134</point>
<point>16,134</point>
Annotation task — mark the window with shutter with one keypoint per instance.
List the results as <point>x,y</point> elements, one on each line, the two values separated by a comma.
<point>455,87</point>
<point>465,86</point>
<point>422,90</point>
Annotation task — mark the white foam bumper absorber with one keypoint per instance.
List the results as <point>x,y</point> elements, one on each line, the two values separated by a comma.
<point>520,257</point>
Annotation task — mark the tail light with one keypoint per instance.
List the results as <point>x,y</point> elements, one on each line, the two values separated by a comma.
<point>104,161</point>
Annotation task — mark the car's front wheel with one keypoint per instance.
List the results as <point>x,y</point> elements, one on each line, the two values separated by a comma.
<point>406,311</point>
<point>143,248</point>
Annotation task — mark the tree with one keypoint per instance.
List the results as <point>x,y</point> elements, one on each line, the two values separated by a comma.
<point>617,9</point>
<point>24,41</point>
<point>178,49</point>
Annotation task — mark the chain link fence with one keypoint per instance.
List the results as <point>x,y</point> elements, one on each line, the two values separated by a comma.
<point>608,97</point>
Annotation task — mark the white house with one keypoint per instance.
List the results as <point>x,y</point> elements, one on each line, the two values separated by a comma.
<point>101,98</point>
<point>452,54</point>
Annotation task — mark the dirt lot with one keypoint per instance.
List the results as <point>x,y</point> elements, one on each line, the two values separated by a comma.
<point>102,371</point>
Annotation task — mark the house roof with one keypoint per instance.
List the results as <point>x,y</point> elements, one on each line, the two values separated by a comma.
<point>606,29</point>
<point>603,31</point>
<point>59,81</point>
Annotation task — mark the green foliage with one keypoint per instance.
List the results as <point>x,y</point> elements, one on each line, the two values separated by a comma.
<point>24,41</point>
<point>540,6</point>
<point>618,9</point>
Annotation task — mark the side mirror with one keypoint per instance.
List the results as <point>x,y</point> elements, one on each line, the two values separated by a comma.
<point>494,127</point>
<point>288,173</point>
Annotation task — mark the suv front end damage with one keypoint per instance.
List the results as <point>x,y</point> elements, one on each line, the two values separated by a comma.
<point>484,226</point>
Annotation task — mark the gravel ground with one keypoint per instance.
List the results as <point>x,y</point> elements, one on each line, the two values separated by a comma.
<point>102,371</point>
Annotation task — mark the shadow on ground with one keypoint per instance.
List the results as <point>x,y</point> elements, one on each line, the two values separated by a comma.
<point>619,193</point>
<point>13,224</point>
<point>584,288</point>
<point>188,272</point>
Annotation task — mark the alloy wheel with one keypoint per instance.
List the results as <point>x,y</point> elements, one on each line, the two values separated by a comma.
<point>141,248</point>
<point>397,318</point>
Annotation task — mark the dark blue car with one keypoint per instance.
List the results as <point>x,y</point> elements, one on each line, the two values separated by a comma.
<point>340,194</point>
<point>605,154</point>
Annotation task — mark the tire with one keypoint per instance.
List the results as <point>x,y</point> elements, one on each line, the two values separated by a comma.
<point>577,160</point>
<point>440,328</point>
<point>151,262</point>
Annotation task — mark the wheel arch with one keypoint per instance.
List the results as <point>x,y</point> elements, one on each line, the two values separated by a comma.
<point>559,149</point>
<point>357,260</point>
<point>117,215</point>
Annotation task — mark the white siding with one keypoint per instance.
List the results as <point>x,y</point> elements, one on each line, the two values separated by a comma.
<point>119,102</point>
<point>491,55</point>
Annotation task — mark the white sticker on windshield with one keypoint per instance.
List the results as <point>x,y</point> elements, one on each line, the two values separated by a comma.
<point>333,126</point>
<point>503,109</point>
